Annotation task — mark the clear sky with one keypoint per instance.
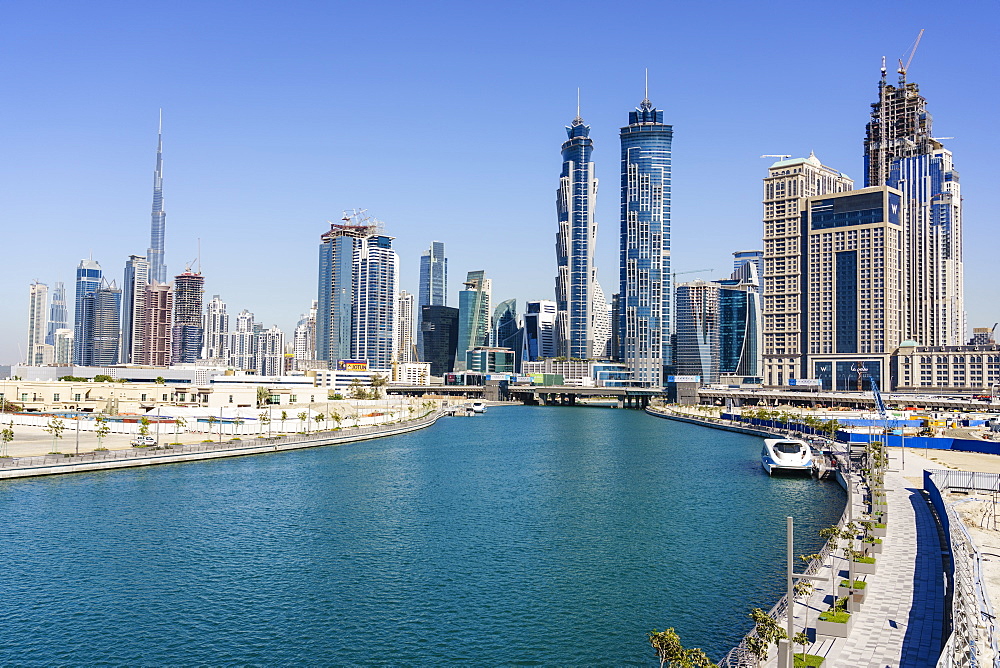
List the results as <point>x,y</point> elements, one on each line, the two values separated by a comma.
<point>444,120</point>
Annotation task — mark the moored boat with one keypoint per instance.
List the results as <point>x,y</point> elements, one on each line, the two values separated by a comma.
<point>785,455</point>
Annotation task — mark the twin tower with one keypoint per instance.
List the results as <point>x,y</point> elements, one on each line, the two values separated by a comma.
<point>638,329</point>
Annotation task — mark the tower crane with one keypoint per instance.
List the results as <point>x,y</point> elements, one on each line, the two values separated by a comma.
<point>674,275</point>
<point>903,68</point>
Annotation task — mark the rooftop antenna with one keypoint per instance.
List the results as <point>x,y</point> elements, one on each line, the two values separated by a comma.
<point>646,104</point>
<point>578,120</point>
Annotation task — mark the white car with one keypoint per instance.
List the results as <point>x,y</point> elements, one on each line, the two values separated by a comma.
<point>143,441</point>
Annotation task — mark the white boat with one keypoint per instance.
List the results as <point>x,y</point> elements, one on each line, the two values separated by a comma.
<point>478,407</point>
<point>784,455</point>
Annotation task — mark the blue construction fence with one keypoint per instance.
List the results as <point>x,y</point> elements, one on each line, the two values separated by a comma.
<point>891,440</point>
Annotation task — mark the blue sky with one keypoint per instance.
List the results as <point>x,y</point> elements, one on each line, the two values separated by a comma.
<point>444,120</point>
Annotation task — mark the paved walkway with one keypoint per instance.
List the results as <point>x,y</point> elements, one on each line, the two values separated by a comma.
<point>900,623</point>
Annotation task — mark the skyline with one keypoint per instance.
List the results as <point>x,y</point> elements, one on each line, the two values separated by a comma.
<point>257,181</point>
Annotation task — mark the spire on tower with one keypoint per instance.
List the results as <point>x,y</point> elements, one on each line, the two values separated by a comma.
<point>579,119</point>
<point>646,104</point>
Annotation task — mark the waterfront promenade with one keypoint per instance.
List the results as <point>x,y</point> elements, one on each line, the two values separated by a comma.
<point>24,467</point>
<point>901,623</point>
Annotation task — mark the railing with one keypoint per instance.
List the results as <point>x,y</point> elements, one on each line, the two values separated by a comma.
<point>973,638</point>
<point>740,656</point>
<point>320,437</point>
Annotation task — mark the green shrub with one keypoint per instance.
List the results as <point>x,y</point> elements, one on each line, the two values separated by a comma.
<point>838,613</point>
<point>858,584</point>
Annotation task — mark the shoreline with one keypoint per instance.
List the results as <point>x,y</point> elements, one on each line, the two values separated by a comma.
<point>113,459</point>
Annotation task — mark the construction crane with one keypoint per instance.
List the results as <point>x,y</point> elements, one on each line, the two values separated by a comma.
<point>779,157</point>
<point>903,68</point>
<point>681,273</point>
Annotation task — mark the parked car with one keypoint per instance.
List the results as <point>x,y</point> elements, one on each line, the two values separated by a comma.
<point>143,441</point>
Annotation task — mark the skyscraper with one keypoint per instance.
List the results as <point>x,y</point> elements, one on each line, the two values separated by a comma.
<point>133,307</point>
<point>405,347</point>
<point>786,184</point>
<point>473,315</point>
<point>103,309</point>
<point>433,285</point>
<point>217,336</point>
<point>646,289</point>
<point>749,266</point>
<point>188,332</point>
<point>433,276</point>
<point>58,315</point>
<point>901,153</point>
<point>304,339</point>
<point>852,283</point>
<point>38,294</point>
<point>373,321</point>
<point>158,227</point>
<point>155,326</point>
<point>698,330</point>
<point>270,356</point>
<point>358,282</point>
<point>602,324</point>
<point>575,242</point>
<point>539,330</point>
<point>439,330</point>
<point>88,280</point>
<point>243,348</point>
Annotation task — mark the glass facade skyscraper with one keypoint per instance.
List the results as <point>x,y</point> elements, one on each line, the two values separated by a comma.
<point>357,293</point>
<point>575,241</point>
<point>473,315</point>
<point>158,225</point>
<point>901,152</point>
<point>645,245</point>
<point>88,280</point>
<point>433,285</point>
<point>58,315</point>
<point>439,330</point>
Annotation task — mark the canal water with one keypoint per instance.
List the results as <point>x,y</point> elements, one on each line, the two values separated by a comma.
<point>526,536</point>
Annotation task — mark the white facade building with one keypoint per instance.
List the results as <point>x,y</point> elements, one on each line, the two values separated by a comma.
<point>38,296</point>
<point>405,343</point>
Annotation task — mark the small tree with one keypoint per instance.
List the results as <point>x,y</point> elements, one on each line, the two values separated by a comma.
<point>377,382</point>
<point>211,425</point>
<point>179,423</point>
<point>284,416</point>
<point>6,436</point>
<point>160,380</point>
<point>144,426</point>
<point>263,396</point>
<point>265,418</point>
<point>768,631</point>
<point>319,417</point>
<point>102,430</point>
<point>55,427</point>
<point>671,653</point>
<point>802,640</point>
<point>667,645</point>
<point>304,420</point>
<point>336,417</point>
<point>356,390</point>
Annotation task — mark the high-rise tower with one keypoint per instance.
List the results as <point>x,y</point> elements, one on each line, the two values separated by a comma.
<point>901,153</point>
<point>473,315</point>
<point>88,280</point>
<point>58,315</point>
<point>575,242</point>
<point>134,308</point>
<point>645,308</point>
<point>433,285</point>
<point>157,267</point>
<point>358,284</point>
<point>188,331</point>
<point>37,306</point>
<point>786,184</point>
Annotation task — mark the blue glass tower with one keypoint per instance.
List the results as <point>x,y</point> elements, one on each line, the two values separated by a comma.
<point>433,286</point>
<point>157,268</point>
<point>88,281</point>
<point>645,298</point>
<point>575,243</point>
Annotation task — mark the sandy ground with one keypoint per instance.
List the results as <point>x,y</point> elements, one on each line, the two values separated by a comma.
<point>33,441</point>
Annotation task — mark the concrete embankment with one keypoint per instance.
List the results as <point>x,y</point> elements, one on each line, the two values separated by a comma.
<point>25,467</point>
<point>714,423</point>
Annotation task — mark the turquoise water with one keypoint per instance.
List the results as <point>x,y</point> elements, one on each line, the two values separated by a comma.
<point>525,536</point>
